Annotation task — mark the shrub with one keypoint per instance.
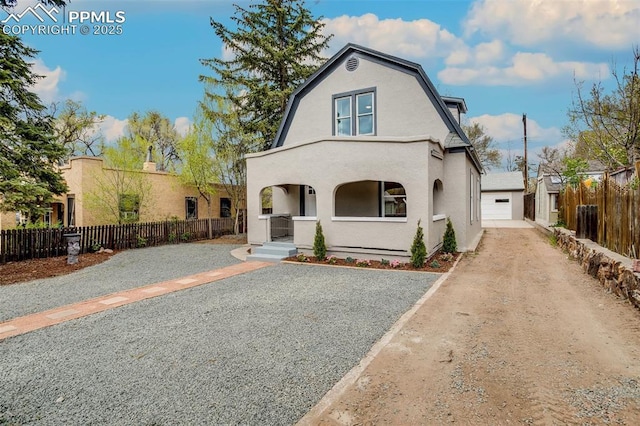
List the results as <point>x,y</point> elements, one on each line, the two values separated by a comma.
<point>319,247</point>
<point>449,244</point>
<point>332,260</point>
<point>301,258</point>
<point>384,262</point>
<point>434,264</point>
<point>349,259</point>
<point>446,257</point>
<point>142,242</point>
<point>418,249</point>
<point>363,263</point>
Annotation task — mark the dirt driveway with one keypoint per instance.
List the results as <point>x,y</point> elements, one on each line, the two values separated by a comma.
<point>518,334</point>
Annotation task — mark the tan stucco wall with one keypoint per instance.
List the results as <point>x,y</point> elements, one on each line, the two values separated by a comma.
<point>401,109</point>
<point>7,220</point>
<point>166,196</point>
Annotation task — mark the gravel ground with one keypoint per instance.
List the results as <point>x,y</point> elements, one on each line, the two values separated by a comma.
<point>125,270</point>
<point>259,348</point>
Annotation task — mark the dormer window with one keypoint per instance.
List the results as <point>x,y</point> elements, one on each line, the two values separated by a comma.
<point>354,113</point>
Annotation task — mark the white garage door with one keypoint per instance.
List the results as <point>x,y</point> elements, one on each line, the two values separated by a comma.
<point>496,205</point>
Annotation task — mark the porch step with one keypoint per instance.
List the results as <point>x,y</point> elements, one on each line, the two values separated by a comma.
<point>272,252</point>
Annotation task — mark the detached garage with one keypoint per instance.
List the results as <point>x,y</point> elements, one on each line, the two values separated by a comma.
<point>503,196</point>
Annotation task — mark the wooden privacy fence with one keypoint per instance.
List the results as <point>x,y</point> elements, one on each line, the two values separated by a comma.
<point>22,244</point>
<point>618,211</point>
<point>530,206</point>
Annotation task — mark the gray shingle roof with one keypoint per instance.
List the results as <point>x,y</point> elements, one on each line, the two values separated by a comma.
<point>508,181</point>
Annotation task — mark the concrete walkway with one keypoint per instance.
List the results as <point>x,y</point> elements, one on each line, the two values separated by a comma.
<point>28,323</point>
<point>495,223</point>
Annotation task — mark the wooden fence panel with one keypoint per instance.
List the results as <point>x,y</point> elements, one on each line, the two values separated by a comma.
<point>22,244</point>
<point>618,214</point>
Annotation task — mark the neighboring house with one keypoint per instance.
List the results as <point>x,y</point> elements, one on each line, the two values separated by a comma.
<point>367,147</point>
<point>503,196</point>
<point>547,193</point>
<point>167,196</point>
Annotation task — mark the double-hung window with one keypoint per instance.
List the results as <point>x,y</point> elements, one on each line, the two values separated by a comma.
<point>354,113</point>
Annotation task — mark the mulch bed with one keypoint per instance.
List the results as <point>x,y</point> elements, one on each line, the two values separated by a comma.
<point>33,269</point>
<point>443,263</point>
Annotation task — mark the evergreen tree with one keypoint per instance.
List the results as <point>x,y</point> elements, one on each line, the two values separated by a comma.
<point>319,247</point>
<point>418,249</point>
<point>29,151</point>
<point>449,244</point>
<point>276,46</point>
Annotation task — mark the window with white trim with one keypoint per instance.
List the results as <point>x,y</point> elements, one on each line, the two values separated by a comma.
<point>354,113</point>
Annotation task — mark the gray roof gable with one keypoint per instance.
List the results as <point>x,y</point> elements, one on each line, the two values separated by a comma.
<point>509,181</point>
<point>400,64</point>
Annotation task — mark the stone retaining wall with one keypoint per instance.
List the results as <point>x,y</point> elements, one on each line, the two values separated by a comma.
<point>614,271</point>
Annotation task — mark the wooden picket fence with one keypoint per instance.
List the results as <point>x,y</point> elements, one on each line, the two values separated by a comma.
<point>23,244</point>
<point>618,213</point>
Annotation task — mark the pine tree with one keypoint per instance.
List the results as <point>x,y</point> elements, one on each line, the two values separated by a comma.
<point>418,249</point>
<point>319,246</point>
<point>276,46</point>
<point>29,151</point>
<point>449,244</point>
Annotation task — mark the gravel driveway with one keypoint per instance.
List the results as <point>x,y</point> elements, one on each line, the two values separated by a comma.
<point>123,271</point>
<point>259,348</point>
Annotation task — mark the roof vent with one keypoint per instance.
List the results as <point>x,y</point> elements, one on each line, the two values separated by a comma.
<point>352,64</point>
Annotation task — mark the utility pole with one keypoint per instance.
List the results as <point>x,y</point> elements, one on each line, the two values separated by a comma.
<point>526,164</point>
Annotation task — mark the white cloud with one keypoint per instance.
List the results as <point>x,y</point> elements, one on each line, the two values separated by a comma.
<point>420,38</point>
<point>508,127</point>
<point>182,125</point>
<point>47,87</point>
<point>112,128</point>
<point>524,68</point>
<point>507,130</point>
<point>606,24</point>
<point>483,53</point>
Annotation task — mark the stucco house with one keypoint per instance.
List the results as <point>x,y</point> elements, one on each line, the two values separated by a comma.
<point>167,197</point>
<point>503,196</point>
<point>367,147</point>
<point>547,193</point>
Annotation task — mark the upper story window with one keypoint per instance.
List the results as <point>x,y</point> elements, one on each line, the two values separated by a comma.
<point>354,113</point>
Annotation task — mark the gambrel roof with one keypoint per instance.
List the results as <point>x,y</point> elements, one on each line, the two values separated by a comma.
<point>455,140</point>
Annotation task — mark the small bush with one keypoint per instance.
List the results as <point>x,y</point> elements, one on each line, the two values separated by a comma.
<point>384,262</point>
<point>418,249</point>
<point>349,259</point>
<point>173,238</point>
<point>142,242</point>
<point>434,264</point>
<point>446,257</point>
<point>186,236</point>
<point>332,260</point>
<point>319,247</point>
<point>363,263</point>
<point>449,244</point>
<point>302,258</point>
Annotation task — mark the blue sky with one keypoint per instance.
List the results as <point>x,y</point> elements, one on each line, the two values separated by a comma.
<point>505,57</point>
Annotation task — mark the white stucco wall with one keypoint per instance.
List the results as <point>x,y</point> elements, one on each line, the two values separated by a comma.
<point>401,106</point>
<point>328,164</point>
<point>457,190</point>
